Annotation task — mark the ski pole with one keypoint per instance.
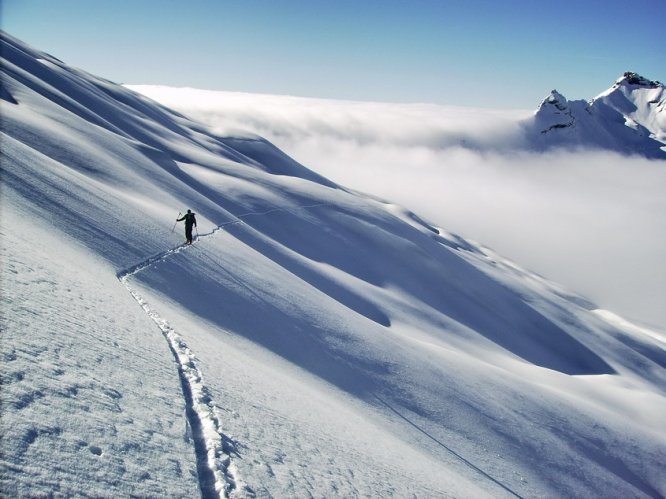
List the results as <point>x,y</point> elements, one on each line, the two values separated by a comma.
<point>174,225</point>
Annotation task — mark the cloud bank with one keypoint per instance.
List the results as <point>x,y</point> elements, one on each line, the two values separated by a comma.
<point>592,221</point>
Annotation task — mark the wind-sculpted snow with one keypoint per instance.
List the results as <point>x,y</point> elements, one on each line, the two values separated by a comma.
<point>549,201</point>
<point>319,342</point>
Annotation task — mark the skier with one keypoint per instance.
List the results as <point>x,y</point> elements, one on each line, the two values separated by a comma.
<point>190,220</point>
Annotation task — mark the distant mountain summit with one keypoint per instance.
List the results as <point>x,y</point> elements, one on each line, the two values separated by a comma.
<point>629,117</point>
<point>636,79</point>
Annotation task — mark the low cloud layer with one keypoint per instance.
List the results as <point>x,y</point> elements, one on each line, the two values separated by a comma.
<point>592,221</point>
<point>292,119</point>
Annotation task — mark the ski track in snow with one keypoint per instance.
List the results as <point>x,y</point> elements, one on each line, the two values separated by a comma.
<point>218,476</point>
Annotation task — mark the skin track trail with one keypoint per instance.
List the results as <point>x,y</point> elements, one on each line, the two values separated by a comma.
<point>216,471</point>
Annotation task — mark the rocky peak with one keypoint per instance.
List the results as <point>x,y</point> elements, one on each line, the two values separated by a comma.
<point>631,78</point>
<point>555,99</point>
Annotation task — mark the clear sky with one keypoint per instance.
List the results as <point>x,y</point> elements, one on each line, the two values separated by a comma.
<point>483,53</point>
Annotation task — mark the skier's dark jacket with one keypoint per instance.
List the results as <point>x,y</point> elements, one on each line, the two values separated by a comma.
<point>189,218</point>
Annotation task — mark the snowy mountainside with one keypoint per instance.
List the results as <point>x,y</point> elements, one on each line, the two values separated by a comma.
<point>312,341</point>
<point>629,117</point>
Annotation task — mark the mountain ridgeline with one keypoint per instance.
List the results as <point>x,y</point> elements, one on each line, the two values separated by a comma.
<point>629,117</point>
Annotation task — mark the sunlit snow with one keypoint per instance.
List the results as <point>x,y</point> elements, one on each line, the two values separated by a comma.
<point>313,341</point>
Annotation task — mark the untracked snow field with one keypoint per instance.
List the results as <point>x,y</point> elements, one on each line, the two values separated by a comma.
<point>312,342</point>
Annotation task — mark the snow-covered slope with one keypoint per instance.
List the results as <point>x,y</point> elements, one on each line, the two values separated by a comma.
<point>313,341</point>
<point>474,171</point>
<point>629,117</point>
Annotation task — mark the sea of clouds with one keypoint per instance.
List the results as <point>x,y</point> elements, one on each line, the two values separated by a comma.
<point>591,220</point>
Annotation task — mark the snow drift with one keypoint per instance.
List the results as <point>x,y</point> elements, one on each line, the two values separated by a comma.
<point>313,341</point>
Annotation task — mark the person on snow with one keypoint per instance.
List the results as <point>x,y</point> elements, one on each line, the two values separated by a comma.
<point>190,220</point>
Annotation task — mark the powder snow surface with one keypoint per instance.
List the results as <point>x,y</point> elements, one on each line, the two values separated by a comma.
<point>313,341</point>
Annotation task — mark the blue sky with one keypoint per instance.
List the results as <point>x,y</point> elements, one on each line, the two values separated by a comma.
<point>482,53</point>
